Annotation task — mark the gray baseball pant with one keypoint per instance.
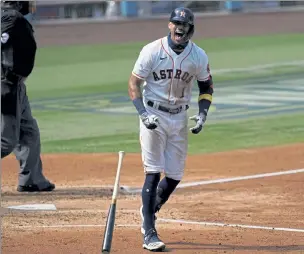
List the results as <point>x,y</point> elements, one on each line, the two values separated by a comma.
<point>20,134</point>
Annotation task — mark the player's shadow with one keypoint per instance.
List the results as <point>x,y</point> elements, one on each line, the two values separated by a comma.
<point>198,246</point>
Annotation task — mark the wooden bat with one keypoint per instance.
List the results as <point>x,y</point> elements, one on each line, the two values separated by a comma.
<point>108,234</point>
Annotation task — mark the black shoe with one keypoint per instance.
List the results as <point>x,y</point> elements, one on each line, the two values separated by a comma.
<point>35,188</point>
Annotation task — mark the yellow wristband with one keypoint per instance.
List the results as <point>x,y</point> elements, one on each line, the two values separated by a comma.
<point>205,96</point>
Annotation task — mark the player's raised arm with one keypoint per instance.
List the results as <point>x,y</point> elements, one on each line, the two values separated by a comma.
<point>140,72</point>
<point>205,85</point>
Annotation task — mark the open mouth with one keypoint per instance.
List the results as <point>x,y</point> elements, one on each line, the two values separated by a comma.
<point>179,35</point>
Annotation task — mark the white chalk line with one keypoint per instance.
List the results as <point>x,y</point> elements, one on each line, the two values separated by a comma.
<point>66,187</point>
<point>197,223</point>
<point>224,180</point>
<point>204,223</point>
<point>129,189</point>
<point>74,226</point>
<point>70,210</point>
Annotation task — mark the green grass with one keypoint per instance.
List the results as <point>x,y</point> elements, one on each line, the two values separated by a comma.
<point>64,55</point>
<point>62,125</point>
<point>64,71</point>
<point>97,69</point>
<point>258,132</point>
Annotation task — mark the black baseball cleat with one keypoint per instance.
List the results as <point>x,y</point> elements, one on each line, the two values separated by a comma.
<point>152,242</point>
<point>35,188</point>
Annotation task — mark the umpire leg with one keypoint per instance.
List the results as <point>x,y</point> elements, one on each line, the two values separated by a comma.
<point>10,117</point>
<point>9,134</point>
<point>28,151</point>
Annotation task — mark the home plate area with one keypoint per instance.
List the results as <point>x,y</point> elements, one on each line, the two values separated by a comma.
<point>259,211</point>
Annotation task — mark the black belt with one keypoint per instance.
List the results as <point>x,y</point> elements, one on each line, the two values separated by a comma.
<point>168,110</point>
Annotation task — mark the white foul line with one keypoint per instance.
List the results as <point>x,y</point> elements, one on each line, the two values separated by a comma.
<point>75,226</point>
<point>230,225</point>
<point>224,180</point>
<point>200,223</point>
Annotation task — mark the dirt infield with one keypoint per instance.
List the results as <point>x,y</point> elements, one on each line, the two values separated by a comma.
<point>274,203</point>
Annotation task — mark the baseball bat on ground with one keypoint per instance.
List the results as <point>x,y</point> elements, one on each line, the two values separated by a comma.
<point>109,228</point>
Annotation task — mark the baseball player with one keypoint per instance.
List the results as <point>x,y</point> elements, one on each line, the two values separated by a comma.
<point>19,130</point>
<point>167,69</point>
